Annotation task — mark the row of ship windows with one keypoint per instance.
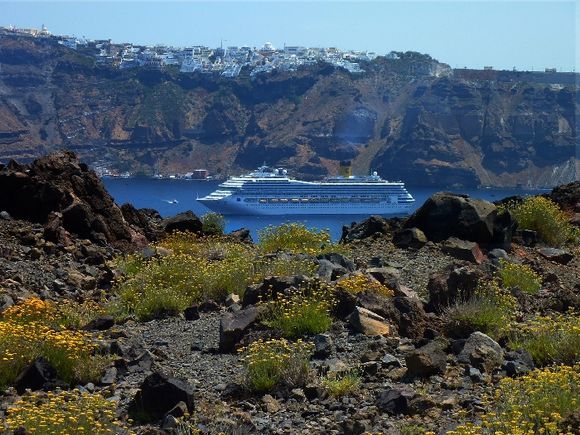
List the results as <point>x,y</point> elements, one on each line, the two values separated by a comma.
<point>314,200</point>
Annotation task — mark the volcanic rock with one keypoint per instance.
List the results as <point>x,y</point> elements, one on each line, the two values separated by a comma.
<point>447,215</point>
<point>160,393</point>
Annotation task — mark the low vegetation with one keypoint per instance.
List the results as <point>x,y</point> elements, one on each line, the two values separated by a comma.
<point>36,328</point>
<point>358,283</point>
<point>64,413</point>
<point>301,312</point>
<point>545,217</point>
<point>490,310</point>
<point>213,223</point>
<point>192,270</point>
<point>276,364</point>
<point>296,238</point>
<point>535,403</point>
<point>549,339</point>
<point>343,383</point>
<point>521,276</point>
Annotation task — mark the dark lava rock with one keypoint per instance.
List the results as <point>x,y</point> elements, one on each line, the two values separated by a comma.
<point>329,271</point>
<point>374,225</point>
<point>406,314</point>
<point>234,325</point>
<point>447,215</point>
<point>100,323</point>
<point>482,352</point>
<point>557,255</point>
<point>451,285</point>
<point>389,361</point>
<point>462,250</point>
<point>60,183</point>
<point>35,376</point>
<point>427,360</point>
<point>159,394</point>
<point>242,235</point>
<point>185,221</point>
<point>388,276</point>
<point>323,346</point>
<point>567,195</point>
<point>271,287</point>
<point>395,401</point>
<point>191,313</point>
<point>141,220</point>
<point>409,238</point>
<point>339,260</point>
<point>518,362</point>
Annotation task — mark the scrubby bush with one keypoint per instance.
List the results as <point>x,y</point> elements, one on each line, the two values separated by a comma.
<point>536,403</point>
<point>194,270</point>
<point>549,339</point>
<point>33,329</point>
<point>521,276</point>
<point>301,312</point>
<point>276,364</point>
<point>489,310</point>
<point>295,238</point>
<point>343,383</point>
<point>213,223</point>
<point>545,217</point>
<point>358,283</point>
<point>64,413</point>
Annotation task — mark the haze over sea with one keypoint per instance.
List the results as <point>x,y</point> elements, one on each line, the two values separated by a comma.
<point>174,196</point>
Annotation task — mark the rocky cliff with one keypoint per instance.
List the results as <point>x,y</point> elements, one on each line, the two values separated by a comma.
<point>411,118</point>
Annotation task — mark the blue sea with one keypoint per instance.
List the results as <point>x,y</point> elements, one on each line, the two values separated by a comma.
<point>173,196</point>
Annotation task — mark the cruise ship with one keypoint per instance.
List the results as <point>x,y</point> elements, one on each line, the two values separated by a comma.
<point>269,191</point>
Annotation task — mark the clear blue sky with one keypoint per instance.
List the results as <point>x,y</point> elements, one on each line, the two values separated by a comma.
<point>504,34</point>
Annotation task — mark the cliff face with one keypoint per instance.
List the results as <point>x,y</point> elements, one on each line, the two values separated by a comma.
<point>411,119</point>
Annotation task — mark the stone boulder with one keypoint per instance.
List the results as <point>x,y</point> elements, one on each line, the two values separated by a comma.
<point>35,376</point>
<point>372,226</point>
<point>395,401</point>
<point>60,183</point>
<point>447,215</point>
<point>234,325</point>
<point>242,235</point>
<point>405,314</point>
<point>451,285</point>
<point>271,287</point>
<point>566,196</point>
<point>368,323</point>
<point>462,250</point>
<point>427,360</point>
<point>185,221</point>
<point>409,238</point>
<point>158,395</point>
<point>556,255</point>
<point>481,352</point>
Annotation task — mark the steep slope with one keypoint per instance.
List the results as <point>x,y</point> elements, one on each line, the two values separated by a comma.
<point>412,118</point>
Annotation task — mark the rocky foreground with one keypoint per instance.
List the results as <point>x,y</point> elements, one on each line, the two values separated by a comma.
<point>61,238</point>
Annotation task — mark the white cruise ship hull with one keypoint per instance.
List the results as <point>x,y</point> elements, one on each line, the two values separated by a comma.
<point>232,207</point>
<point>266,192</point>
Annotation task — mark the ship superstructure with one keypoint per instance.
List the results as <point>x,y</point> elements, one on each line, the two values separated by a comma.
<point>268,191</point>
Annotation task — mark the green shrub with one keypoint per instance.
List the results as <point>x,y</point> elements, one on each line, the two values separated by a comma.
<point>295,238</point>
<point>520,276</point>
<point>301,312</point>
<point>31,329</point>
<point>545,217</point>
<point>64,412</point>
<point>213,223</point>
<point>536,403</point>
<point>194,270</point>
<point>489,310</point>
<point>276,364</point>
<point>342,384</point>
<point>549,340</point>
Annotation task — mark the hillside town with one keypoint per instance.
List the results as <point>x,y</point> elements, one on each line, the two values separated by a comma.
<point>227,61</point>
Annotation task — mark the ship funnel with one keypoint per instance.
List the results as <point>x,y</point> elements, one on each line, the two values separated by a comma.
<point>345,169</point>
